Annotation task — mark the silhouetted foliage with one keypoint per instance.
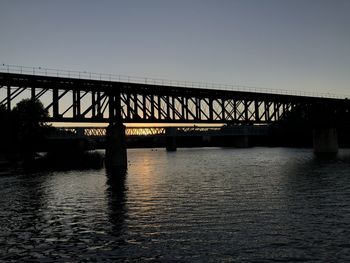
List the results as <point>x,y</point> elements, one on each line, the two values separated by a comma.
<point>7,131</point>
<point>30,129</point>
<point>23,128</point>
<point>30,114</point>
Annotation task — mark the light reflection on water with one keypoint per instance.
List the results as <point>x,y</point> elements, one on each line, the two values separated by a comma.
<point>194,205</point>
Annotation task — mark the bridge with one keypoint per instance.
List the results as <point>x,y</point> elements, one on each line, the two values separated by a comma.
<point>239,135</point>
<point>143,131</point>
<point>71,96</point>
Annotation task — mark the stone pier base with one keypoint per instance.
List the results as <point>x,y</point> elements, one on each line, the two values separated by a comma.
<point>325,141</point>
<point>170,134</point>
<point>241,141</point>
<point>116,157</point>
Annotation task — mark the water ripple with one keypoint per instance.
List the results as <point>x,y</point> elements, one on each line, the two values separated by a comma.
<point>195,205</point>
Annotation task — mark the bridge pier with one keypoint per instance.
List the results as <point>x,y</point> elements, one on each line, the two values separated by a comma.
<point>116,156</point>
<point>325,141</point>
<point>241,141</point>
<point>171,145</point>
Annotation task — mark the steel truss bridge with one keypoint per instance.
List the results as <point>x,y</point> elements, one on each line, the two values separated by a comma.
<point>77,99</point>
<point>179,131</point>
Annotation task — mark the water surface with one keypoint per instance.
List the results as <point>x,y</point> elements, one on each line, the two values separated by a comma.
<point>193,205</point>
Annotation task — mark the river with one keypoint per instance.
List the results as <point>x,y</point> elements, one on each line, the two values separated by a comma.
<point>193,205</point>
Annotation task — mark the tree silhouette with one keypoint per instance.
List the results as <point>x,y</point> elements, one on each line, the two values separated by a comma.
<point>6,134</point>
<point>28,125</point>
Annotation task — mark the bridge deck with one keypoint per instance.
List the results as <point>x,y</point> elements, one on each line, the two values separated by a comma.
<point>99,101</point>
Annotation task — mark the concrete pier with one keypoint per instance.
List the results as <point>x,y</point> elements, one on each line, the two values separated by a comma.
<point>325,141</point>
<point>241,141</point>
<point>116,157</point>
<point>170,134</point>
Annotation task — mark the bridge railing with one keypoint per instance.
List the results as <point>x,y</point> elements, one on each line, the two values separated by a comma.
<point>41,71</point>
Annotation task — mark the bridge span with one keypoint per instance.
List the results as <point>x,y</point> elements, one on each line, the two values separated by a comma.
<point>75,98</point>
<point>170,137</point>
<point>147,131</point>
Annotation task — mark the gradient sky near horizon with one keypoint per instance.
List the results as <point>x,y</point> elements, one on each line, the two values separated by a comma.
<point>294,45</point>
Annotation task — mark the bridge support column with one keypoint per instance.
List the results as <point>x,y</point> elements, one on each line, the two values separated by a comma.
<point>325,141</point>
<point>241,141</point>
<point>170,134</point>
<point>116,157</point>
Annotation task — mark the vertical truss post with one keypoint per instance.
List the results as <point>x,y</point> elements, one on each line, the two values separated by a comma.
<point>32,94</point>
<point>74,103</point>
<point>111,108</point>
<point>93,102</point>
<point>267,111</point>
<point>99,106</point>
<point>128,106</point>
<point>246,117</point>
<point>152,107</point>
<point>183,108</point>
<point>257,116</point>
<point>118,107</point>
<point>235,110</point>
<point>198,109</point>
<point>135,106</point>
<point>211,115</point>
<point>144,107</point>
<point>173,103</point>
<point>223,109</point>
<point>8,98</point>
<point>159,108</point>
<point>167,107</point>
<point>55,103</point>
<point>277,109</point>
<point>78,103</point>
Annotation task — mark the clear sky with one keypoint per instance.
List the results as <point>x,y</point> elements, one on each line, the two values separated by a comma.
<point>279,44</point>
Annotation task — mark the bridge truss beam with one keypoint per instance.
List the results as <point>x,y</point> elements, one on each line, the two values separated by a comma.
<point>83,100</point>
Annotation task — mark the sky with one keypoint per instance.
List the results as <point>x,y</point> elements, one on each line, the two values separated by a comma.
<point>278,44</point>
